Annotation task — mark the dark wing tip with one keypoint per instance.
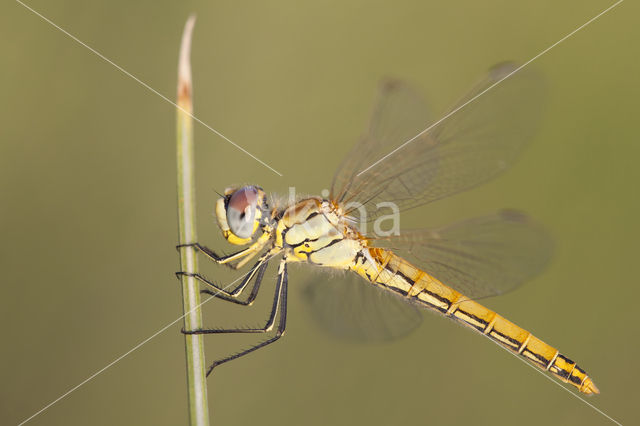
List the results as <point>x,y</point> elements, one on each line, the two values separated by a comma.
<point>502,69</point>
<point>513,215</point>
<point>388,84</point>
<point>544,237</point>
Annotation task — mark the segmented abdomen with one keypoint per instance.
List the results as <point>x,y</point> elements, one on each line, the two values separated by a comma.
<point>400,276</point>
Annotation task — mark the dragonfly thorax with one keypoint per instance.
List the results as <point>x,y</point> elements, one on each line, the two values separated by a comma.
<point>314,231</point>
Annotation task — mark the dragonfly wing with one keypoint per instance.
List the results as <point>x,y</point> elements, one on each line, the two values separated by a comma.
<point>399,114</point>
<point>475,141</point>
<point>348,307</point>
<point>480,257</point>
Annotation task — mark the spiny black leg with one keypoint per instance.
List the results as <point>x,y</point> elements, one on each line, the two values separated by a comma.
<point>254,290</point>
<point>279,332</point>
<point>279,303</point>
<point>267,327</point>
<point>211,254</point>
<point>232,296</point>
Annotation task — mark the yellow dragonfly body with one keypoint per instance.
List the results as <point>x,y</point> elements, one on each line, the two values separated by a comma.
<point>329,241</point>
<point>452,266</point>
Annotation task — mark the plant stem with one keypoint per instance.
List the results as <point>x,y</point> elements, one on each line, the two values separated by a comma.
<point>196,380</point>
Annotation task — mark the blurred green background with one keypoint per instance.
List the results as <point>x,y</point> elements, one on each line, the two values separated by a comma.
<point>88,210</point>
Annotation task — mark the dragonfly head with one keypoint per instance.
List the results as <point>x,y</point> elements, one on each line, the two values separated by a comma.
<point>241,212</point>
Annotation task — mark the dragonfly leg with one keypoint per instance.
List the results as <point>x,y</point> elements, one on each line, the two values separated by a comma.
<point>279,304</point>
<point>257,272</point>
<point>226,260</point>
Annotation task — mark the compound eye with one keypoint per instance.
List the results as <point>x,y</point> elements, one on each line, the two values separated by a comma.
<point>241,211</point>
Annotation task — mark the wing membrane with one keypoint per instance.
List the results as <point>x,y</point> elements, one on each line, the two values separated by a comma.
<point>350,308</point>
<point>470,146</point>
<point>399,114</point>
<point>481,257</point>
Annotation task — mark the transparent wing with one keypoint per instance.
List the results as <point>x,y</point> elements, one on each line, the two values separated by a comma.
<point>398,115</point>
<point>471,144</point>
<point>348,307</point>
<point>480,257</point>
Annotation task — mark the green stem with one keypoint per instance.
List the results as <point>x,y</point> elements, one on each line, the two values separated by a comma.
<point>196,380</point>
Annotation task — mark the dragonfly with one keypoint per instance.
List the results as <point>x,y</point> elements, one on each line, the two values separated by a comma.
<point>446,269</point>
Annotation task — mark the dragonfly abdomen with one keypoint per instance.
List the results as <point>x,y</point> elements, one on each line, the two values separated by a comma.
<point>398,275</point>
